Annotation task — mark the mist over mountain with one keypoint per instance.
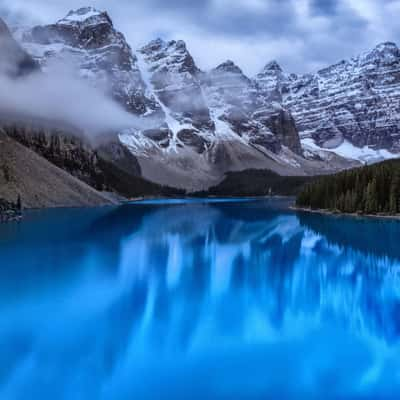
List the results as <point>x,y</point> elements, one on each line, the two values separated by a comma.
<point>56,92</point>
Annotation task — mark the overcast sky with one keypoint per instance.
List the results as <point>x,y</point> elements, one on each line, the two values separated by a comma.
<point>302,35</point>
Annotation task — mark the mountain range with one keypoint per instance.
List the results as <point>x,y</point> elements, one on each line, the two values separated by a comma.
<point>196,126</point>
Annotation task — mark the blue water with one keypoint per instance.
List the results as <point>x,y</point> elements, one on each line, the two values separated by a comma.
<point>199,300</point>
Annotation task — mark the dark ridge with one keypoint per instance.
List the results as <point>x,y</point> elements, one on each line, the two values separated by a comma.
<point>257,183</point>
<point>131,186</point>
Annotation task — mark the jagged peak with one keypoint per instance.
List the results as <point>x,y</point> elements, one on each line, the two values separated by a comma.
<point>179,44</point>
<point>177,57</point>
<point>229,66</point>
<point>153,45</point>
<point>386,46</point>
<point>273,66</point>
<point>84,14</point>
<point>158,44</point>
<point>387,51</point>
<point>329,69</point>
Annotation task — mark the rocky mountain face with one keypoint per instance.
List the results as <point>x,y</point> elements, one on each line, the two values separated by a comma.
<point>219,105</point>
<point>215,121</point>
<point>88,39</point>
<point>351,107</point>
<point>199,125</point>
<point>234,100</point>
<point>170,74</point>
<point>106,165</point>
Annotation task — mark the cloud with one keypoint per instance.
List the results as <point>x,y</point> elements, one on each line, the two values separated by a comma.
<point>324,7</point>
<point>59,95</point>
<point>303,35</point>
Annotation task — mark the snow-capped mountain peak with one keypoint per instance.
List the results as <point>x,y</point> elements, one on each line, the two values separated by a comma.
<point>88,38</point>
<point>271,67</point>
<point>166,56</point>
<point>270,81</point>
<point>229,66</point>
<point>385,53</point>
<point>85,15</point>
<point>351,107</point>
<point>387,46</point>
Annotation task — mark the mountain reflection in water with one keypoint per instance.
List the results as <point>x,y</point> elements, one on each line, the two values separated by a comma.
<point>199,300</point>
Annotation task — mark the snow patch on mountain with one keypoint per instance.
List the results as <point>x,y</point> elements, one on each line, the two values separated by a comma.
<point>82,15</point>
<point>173,124</point>
<point>365,155</point>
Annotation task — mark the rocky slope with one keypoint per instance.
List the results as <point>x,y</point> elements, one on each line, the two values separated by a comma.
<point>351,108</point>
<point>40,183</point>
<point>198,125</point>
<point>66,148</point>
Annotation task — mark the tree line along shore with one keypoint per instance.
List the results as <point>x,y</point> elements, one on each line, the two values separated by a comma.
<point>373,189</point>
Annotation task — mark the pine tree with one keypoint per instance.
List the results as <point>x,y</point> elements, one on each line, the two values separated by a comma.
<point>19,203</point>
<point>370,202</point>
<point>347,202</point>
<point>394,194</point>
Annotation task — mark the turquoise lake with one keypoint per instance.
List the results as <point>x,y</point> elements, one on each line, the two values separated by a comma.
<point>199,299</point>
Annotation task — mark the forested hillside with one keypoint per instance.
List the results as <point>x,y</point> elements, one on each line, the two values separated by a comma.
<point>257,183</point>
<point>368,190</point>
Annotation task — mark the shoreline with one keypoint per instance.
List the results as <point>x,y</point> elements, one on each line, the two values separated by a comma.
<point>188,197</point>
<point>145,198</point>
<point>342,214</point>
<point>5,217</point>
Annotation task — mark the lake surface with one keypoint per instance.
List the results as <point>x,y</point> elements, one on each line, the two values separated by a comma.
<point>199,299</point>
